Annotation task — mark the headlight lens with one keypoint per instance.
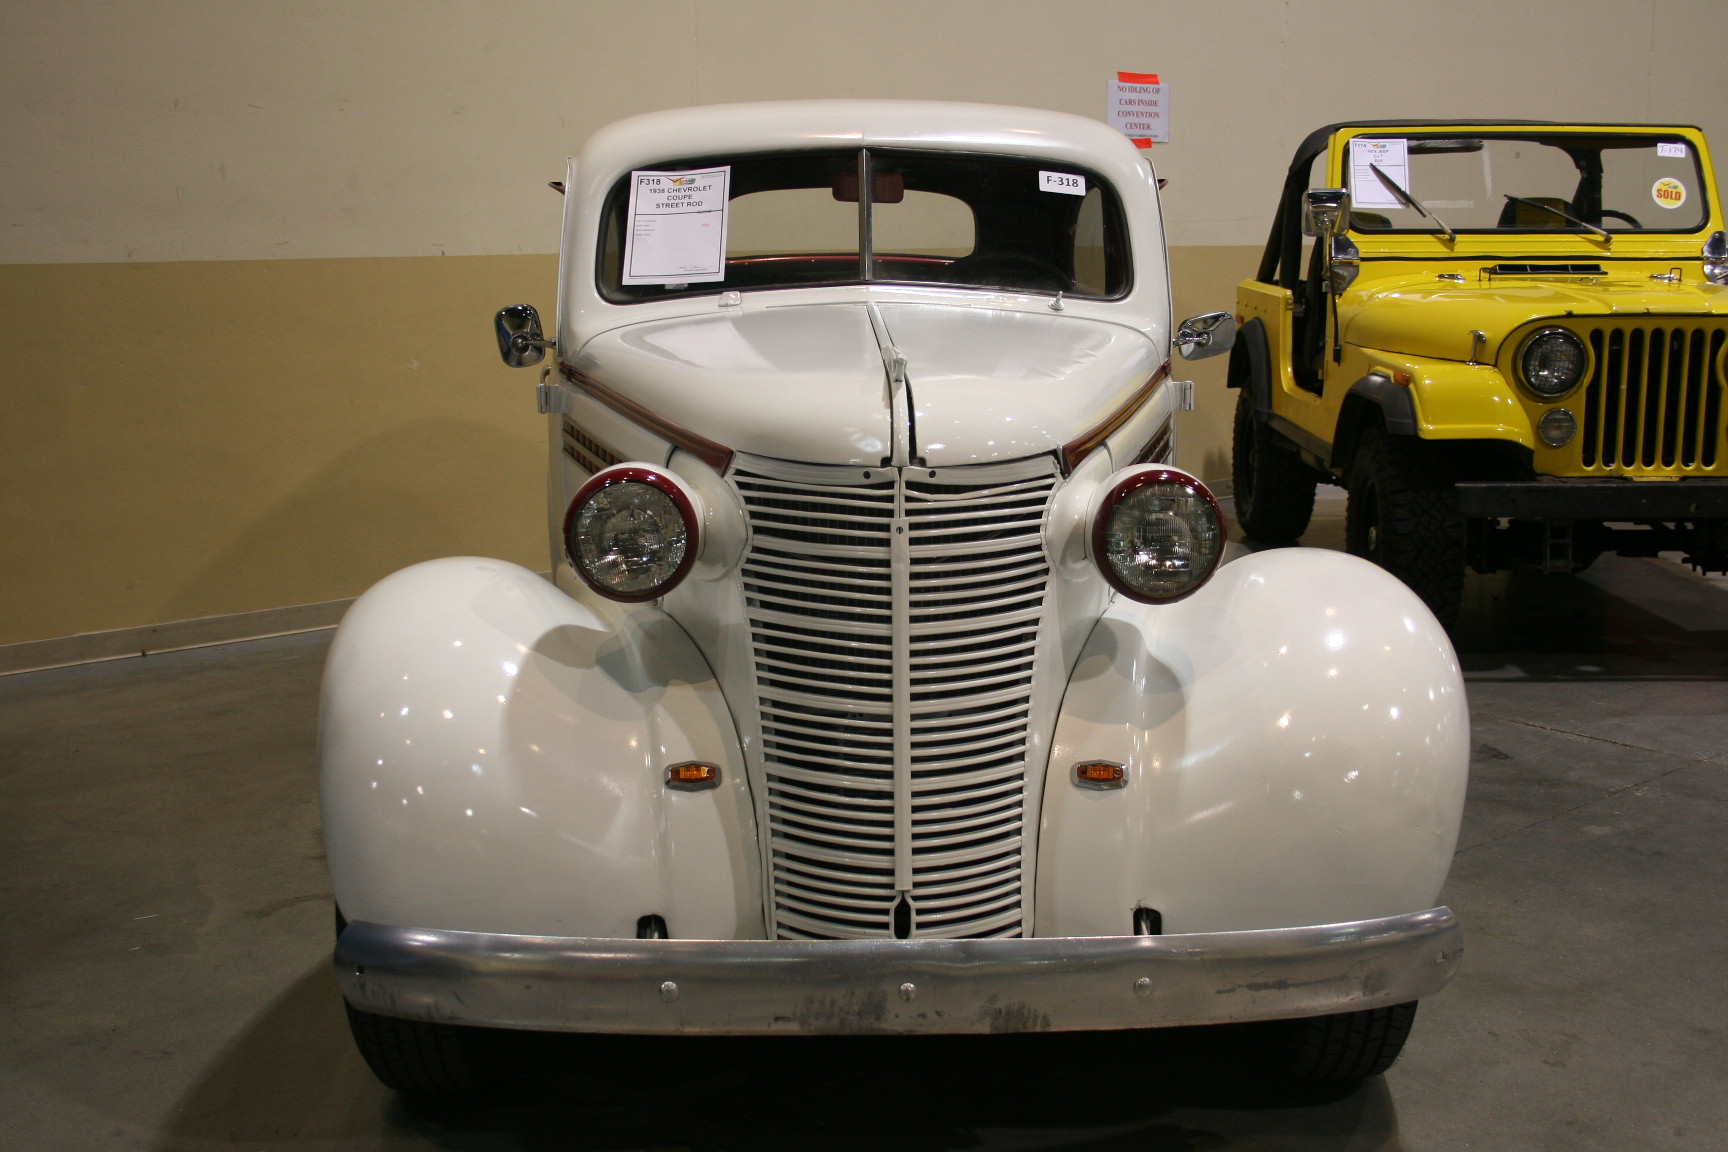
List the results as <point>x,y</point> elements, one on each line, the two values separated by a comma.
<point>1552,362</point>
<point>1158,535</point>
<point>631,533</point>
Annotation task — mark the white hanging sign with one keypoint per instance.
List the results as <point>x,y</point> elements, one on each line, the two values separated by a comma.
<point>677,228</point>
<point>1139,105</point>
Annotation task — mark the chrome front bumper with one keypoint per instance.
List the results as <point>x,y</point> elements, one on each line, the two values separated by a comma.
<point>765,987</point>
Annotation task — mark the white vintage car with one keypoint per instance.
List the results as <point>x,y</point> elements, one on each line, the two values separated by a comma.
<point>890,678</point>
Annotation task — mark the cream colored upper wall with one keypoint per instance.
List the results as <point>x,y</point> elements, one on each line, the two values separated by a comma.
<point>224,130</point>
<point>213,407</point>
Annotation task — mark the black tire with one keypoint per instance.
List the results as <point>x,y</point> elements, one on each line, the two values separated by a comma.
<point>1345,1047</point>
<point>1274,489</point>
<point>422,1058</point>
<point>1403,515</point>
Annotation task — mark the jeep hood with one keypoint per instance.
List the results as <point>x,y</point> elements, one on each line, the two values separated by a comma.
<point>1421,318</point>
<point>809,383</point>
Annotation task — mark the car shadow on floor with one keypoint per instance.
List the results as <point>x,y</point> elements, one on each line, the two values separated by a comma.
<point>291,1079</point>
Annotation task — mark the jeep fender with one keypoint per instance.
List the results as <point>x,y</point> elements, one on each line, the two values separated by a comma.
<point>493,756</point>
<point>1296,742</point>
<point>1374,397</point>
<point>1251,366</point>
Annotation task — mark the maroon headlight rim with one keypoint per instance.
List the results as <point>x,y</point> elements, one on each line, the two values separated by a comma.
<point>1120,492</point>
<point>626,474</point>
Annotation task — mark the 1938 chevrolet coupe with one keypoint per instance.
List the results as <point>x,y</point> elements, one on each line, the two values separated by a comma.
<point>890,678</point>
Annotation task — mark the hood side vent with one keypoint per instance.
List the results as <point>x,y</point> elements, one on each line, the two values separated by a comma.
<point>1546,270</point>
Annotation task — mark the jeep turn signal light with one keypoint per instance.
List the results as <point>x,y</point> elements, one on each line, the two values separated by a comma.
<point>692,777</point>
<point>1100,775</point>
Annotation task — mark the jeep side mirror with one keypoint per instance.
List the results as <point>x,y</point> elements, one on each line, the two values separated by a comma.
<point>1325,211</point>
<point>520,340</point>
<point>1205,335</point>
<point>1343,261</point>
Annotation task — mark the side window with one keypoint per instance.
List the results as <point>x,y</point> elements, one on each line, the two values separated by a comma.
<point>1089,265</point>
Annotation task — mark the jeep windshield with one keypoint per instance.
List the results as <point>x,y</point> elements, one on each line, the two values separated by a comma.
<point>853,216</point>
<point>1585,183</point>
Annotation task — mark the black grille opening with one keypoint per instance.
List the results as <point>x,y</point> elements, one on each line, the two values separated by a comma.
<point>1653,399</point>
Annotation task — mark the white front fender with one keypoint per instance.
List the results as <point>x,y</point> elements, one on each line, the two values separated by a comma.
<point>493,755</point>
<point>1296,741</point>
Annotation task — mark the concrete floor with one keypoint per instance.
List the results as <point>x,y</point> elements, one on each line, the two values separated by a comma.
<point>165,920</point>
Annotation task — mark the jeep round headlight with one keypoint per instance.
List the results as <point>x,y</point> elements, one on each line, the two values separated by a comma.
<point>1158,535</point>
<point>631,533</point>
<point>1552,362</point>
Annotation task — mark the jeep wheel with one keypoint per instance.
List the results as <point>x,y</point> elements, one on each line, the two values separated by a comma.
<point>1403,515</point>
<point>1344,1047</point>
<point>1274,489</point>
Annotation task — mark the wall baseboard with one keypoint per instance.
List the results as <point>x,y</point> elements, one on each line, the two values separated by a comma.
<point>119,643</point>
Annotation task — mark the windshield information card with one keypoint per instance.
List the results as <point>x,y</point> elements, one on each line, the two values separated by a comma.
<point>1390,156</point>
<point>677,228</point>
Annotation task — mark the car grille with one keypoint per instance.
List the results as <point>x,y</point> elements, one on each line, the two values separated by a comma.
<point>1653,403</point>
<point>894,618</point>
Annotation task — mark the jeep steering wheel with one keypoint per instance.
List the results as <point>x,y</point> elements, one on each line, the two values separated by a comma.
<point>1619,215</point>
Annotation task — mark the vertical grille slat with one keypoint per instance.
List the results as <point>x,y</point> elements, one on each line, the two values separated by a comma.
<point>1653,401</point>
<point>850,796</point>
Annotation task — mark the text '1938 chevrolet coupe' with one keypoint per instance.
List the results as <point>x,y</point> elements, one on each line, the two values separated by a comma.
<point>891,678</point>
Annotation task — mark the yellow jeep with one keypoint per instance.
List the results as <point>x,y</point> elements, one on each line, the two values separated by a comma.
<point>1505,339</point>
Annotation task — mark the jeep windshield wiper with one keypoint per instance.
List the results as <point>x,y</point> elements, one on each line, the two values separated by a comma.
<point>1563,214</point>
<point>1410,201</point>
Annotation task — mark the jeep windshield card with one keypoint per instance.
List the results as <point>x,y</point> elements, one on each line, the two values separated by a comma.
<point>677,232</point>
<point>1391,157</point>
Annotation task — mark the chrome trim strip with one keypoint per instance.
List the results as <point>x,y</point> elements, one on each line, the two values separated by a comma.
<point>759,987</point>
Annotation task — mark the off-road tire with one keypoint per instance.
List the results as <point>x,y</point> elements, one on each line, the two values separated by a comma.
<point>1345,1047</point>
<point>423,1058</point>
<point>1403,515</point>
<point>1274,489</point>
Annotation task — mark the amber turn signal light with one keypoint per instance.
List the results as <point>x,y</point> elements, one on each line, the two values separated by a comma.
<point>692,777</point>
<point>1100,774</point>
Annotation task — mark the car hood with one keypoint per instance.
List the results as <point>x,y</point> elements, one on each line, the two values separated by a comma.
<point>808,382</point>
<point>1422,319</point>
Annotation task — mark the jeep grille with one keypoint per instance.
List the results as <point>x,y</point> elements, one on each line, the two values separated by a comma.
<point>1653,402</point>
<point>894,619</point>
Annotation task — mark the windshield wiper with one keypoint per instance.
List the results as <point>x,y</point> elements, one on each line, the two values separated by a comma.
<point>1410,201</point>
<point>1564,215</point>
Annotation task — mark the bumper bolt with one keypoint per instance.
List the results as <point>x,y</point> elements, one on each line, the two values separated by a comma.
<point>1143,987</point>
<point>669,991</point>
<point>908,990</point>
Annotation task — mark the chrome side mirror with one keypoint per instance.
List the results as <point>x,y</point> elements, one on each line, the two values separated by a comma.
<point>1325,211</point>
<point>520,341</point>
<point>1343,261</point>
<point>1716,258</point>
<point>1205,335</point>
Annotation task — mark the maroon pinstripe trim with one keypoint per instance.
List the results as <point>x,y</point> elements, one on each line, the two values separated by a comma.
<point>716,456</point>
<point>1083,446</point>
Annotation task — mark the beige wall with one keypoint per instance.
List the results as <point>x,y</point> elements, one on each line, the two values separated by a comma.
<point>248,251</point>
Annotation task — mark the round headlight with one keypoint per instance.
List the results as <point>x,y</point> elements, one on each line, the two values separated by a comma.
<point>1158,535</point>
<point>631,533</point>
<point>1552,362</point>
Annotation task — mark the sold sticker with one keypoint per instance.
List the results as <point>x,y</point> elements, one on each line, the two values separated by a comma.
<point>1668,192</point>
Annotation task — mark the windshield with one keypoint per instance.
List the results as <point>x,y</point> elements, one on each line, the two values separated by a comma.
<point>1529,182</point>
<point>797,219</point>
